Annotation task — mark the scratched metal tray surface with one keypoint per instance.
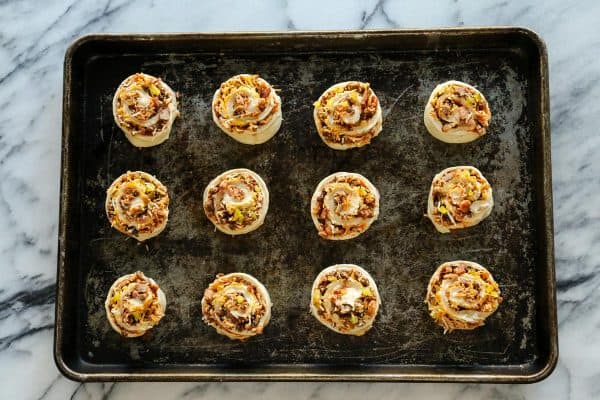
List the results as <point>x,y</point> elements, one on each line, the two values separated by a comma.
<point>401,249</point>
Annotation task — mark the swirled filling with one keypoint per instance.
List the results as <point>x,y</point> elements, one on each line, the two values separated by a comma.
<point>144,105</point>
<point>459,195</point>
<point>236,201</point>
<point>348,114</point>
<point>235,305</point>
<point>345,205</point>
<point>459,106</point>
<point>245,103</point>
<point>462,296</point>
<point>137,205</point>
<point>345,300</point>
<point>134,304</point>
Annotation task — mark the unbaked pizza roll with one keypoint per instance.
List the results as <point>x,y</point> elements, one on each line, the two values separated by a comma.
<point>345,299</point>
<point>134,304</point>
<point>137,204</point>
<point>247,108</point>
<point>237,305</point>
<point>461,295</point>
<point>459,197</point>
<point>144,107</point>
<point>344,205</point>
<point>348,115</point>
<point>456,113</point>
<point>236,201</point>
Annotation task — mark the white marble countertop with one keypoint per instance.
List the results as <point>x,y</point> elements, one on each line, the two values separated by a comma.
<point>33,41</point>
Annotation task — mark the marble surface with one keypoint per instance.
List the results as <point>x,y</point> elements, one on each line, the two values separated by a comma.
<point>33,39</point>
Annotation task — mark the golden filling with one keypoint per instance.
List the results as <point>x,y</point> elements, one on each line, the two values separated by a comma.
<point>349,114</point>
<point>462,296</point>
<point>236,201</point>
<point>134,304</point>
<point>245,103</point>
<point>144,105</point>
<point>235,305</point>
<point>345,205</point>
<point>345,300</point>
<point>458,106</point>
<point>136,204</point>
<point>458,195</point>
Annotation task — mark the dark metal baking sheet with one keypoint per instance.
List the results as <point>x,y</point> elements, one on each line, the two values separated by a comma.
<point>401,250</point>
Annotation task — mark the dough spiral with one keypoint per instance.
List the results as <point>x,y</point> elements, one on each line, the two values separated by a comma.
<point>145,107</point>
<point>237,305</point>
<point>461,295</point>
<point>459,197</point>
<point>137,204</point>
<point>456,113</point>
<point>247,108</point>
<point>134,305</point>
<point>344,205</point>
<point>236,201</point>
<point>348,115</point>
<point>345,299</point>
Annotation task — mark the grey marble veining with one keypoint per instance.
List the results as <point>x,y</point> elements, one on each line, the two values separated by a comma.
<point>33,39</point>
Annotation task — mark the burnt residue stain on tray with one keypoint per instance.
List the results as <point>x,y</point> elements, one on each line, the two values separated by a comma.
<point>401,250</point>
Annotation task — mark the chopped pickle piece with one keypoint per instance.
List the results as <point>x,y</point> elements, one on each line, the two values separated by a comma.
<point>154,91</point>
<point>137,315</point>
<point>150,188</point>
<point>238,216</point>
<point>316,297</point>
